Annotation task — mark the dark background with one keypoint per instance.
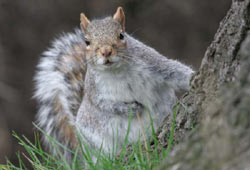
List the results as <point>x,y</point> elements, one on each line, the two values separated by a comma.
<point>180,29</point>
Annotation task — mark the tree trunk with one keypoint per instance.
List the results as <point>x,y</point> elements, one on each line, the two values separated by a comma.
<point>218,101</point>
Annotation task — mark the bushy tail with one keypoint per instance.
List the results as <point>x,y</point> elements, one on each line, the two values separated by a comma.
<point>59,83</point>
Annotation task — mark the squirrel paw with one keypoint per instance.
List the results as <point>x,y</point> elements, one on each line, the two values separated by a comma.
<point>134,107</point>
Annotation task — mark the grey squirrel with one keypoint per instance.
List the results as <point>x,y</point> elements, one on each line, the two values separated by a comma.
<point>89,80</point>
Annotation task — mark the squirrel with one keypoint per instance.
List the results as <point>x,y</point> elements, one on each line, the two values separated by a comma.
<point>91,81</point>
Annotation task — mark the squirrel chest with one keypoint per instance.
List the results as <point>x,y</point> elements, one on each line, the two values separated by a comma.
<point>128,86</point>
<point>115,87</point>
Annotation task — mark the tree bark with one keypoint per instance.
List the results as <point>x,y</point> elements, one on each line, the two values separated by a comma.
<point>218,101</point>
<point>220,66</point>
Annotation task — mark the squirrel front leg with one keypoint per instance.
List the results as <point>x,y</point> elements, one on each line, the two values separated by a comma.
<point>121,108</point>
<point>173,73</point>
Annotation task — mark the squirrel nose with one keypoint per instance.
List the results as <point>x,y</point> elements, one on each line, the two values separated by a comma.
<point>106,51</point>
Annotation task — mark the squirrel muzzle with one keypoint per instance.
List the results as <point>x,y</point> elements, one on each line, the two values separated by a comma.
<point>107,56</point>
<point>106,51</point>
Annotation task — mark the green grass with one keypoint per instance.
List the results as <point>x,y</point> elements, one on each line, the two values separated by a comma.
<point>139,155</point>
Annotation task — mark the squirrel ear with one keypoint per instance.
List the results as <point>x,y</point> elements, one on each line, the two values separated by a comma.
<point>120,17</point>
<point>84,22</point>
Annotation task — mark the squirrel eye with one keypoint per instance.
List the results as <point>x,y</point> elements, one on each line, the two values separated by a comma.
<point>87,42</point>
<point>121,36</point>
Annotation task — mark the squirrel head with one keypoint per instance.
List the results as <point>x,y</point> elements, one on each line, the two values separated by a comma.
<point>105,40</point>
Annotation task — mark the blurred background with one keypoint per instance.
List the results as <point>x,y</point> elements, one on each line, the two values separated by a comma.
<point>179,29</point>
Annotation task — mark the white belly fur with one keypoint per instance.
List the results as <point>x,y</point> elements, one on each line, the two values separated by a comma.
<point>116,88</point>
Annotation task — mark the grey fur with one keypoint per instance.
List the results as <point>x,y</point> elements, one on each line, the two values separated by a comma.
<point>142,79</point>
